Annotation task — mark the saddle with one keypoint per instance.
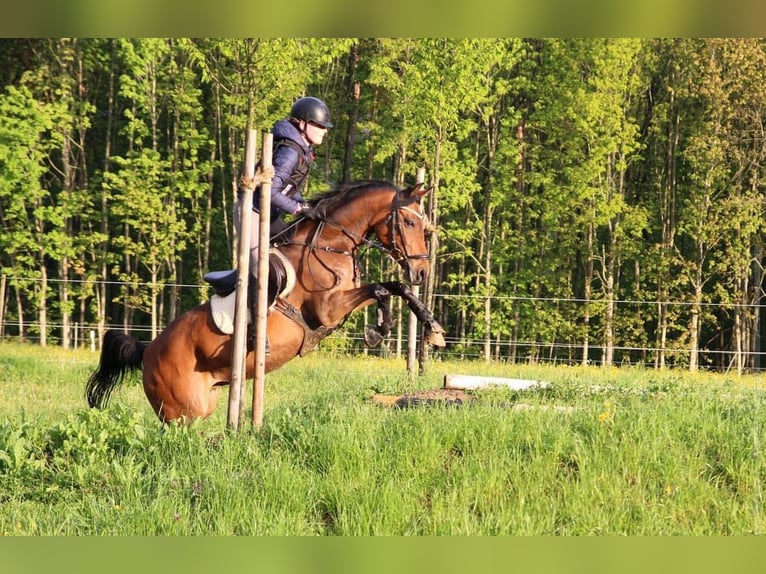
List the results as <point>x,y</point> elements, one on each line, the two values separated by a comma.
<point>224,284</point>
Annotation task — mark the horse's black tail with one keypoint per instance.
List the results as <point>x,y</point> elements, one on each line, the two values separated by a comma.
<point>120,354</point>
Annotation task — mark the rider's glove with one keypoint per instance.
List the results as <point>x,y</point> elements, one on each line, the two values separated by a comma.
<point>302,209</point>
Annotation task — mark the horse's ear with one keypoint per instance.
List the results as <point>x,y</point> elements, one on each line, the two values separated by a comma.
<point>419,191</point>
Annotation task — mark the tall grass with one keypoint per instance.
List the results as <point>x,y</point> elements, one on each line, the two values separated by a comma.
<point>640,453</point>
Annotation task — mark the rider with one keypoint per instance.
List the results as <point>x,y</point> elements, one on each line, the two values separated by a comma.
<point>293,155</point>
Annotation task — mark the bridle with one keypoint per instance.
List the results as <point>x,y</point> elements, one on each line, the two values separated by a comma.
<point>394,218</point>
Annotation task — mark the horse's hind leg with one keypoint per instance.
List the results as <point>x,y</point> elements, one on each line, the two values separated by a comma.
<point>192,401</point>
<point>178,393</point>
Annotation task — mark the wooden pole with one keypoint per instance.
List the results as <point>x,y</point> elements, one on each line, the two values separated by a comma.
<point>464,382</point>
<point>259,376</point>
<point>412,323</point>
<point>239,342</point>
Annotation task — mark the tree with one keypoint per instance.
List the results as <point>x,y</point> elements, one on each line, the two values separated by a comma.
<point>581,138</point>
<point>26,139</point>
<point>574,179</point>
<point>143,186</point>
<point>433,86</point>
<point>722,215</point>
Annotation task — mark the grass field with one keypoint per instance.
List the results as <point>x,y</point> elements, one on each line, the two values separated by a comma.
<point>639,453</point>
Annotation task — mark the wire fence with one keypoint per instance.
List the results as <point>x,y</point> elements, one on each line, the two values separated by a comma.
<point>469,347</point>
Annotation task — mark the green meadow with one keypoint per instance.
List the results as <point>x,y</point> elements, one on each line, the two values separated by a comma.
<point>623,451</point>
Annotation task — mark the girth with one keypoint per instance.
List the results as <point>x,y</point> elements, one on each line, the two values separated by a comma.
<point>311,337</point>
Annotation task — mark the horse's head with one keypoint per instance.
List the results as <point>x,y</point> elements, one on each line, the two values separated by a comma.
<point>396,217</point>
<point>403,233</point>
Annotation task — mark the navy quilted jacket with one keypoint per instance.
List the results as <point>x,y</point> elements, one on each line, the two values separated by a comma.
<point>288,164</point>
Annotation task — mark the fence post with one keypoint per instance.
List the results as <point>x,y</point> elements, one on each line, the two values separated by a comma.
<point>412,323</point>
<point>239,342</point>
<point>259,376</point>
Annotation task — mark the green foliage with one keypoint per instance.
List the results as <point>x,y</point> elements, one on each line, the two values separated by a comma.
<point>25,126</point>
<point>608,169</point>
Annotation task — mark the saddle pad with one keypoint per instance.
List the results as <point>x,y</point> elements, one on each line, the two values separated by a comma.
<point>222,311</point>
<point>222,307</point>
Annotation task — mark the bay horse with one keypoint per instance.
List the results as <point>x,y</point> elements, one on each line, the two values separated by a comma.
<point>187,364</point>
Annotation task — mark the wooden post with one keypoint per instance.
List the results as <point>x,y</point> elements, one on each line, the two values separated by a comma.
<point>412,323</point>
<point>239,338</point>
<point>259,377</point>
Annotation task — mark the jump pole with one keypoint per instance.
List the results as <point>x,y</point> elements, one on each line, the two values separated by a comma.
<point>412,323</point>
<point>473,382</point>
<point>262,293</point>
<point>239,346</point>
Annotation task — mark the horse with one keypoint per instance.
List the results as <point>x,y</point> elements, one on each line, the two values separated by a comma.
<point>187,364</point>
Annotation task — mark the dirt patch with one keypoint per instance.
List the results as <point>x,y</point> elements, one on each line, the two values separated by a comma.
<point>451,397</point>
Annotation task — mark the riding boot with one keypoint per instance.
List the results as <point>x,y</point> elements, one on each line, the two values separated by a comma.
<point>252,304</point>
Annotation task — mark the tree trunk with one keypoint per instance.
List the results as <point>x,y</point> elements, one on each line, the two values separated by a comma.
<point>694,328</point>
<point>741,324</point>
<point>462,319</point>
<point>20,313</point>
<point>205,263</point>
<point>492,136</point>
<point>615,183</point>
<point>3,284</point>
<point>667,216</point>
<point>127,314</point>
<point>587,292</point>
<point>42,301</point>
<point>102,289</point>
<point>355,88</point>
<point>521,188</point>
<point>755,301</point>
<point>608,353</point>
<point>64,305</point>
<point>64,265</point>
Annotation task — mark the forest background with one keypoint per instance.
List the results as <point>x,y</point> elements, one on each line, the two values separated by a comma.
<point>598,200</point>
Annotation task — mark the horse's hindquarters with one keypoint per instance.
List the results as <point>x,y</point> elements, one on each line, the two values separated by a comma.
<point>184,366</point>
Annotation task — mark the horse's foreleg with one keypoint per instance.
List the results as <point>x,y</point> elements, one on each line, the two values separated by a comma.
<point>434,331</point>
<point>374,334</point>
<point>338,306</point>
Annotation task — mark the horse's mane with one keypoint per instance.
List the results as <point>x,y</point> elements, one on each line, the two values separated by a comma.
<point>325,203</point>
<point>328,201</point>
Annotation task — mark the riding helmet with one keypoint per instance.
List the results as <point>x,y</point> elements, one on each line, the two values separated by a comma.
<point>312,110</point>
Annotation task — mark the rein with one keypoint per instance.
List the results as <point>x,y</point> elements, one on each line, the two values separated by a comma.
<point>397,254</point>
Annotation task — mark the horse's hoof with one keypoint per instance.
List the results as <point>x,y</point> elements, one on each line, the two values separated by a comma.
<point>435,335</point>
<point>436,339</point>
<point>372,337</point>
